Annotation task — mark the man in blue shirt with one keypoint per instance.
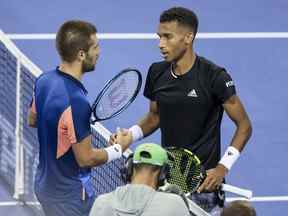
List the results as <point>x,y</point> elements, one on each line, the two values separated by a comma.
<point>61,113</point>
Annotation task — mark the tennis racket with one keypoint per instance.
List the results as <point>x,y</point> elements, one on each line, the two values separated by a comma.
<point>117,94</point>
<point>187,172</point>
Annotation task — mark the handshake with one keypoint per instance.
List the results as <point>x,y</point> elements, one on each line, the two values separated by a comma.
<point>125,137</point>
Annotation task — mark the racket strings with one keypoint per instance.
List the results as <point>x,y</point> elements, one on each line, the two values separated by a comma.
<point>118,94</point>
<point>185,170</point>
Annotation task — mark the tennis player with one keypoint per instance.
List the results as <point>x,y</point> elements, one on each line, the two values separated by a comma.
<point>61,113</point>
<point>146,171</point>
<point>188,95</point>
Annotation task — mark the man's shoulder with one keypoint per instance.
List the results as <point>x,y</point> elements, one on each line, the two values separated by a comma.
<point>208,64</point>
<point>209,70</point>
<point>173,203</point>
<point>104,197</point>
<point>46,76</point>
<point>102,205</point>
<point>103,200</point>
<point>158,67</point>
<point>170,199</point>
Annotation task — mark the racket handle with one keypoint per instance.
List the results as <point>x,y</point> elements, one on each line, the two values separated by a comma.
<point>236,190</point>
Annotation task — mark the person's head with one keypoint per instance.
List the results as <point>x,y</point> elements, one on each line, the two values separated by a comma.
<point>239,208</point>
<point>177,30</point>
<point>76,41</point>
<point>149,163</point>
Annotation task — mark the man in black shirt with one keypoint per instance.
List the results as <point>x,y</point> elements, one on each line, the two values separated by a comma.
<point>188,95</point>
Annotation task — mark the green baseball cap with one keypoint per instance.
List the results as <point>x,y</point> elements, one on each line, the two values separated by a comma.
<point>150,153</point>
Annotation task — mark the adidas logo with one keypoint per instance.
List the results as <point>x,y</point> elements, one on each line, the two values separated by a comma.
<point>192,93</point>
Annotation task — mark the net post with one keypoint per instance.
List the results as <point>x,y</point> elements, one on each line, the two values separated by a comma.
<point>19,159</point>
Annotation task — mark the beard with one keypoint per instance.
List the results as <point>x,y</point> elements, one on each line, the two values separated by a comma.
<point>88,66</point>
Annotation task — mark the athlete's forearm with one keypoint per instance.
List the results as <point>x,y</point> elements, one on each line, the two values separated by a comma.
<point>146,125</point>
<point>149,123</point>
<point>242,134</point>
<point>232,153</point>
<point>96,157</point>
<point>87,156</point>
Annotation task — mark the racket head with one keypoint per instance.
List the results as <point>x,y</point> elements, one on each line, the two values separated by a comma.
<point>185,169</point>
<point>117,94</point>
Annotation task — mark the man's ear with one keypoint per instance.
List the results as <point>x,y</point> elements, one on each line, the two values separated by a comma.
<point>189,37</point>
<point>81,55</point>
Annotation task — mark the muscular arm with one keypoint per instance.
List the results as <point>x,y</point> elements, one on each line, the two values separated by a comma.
<point>86,155</point>
<point>236,112</point>
<point>150,122</point>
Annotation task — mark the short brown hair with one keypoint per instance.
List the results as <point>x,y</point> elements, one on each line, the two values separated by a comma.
<point>73,36</point>
<point>239,208</point>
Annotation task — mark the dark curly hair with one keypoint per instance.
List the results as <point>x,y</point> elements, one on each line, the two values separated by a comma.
<point>183,16</point>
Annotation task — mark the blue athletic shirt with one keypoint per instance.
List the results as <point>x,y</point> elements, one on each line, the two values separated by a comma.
<point>63,114</point>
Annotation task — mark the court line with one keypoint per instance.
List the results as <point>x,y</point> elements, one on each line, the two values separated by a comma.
<point>229,199</point>
<point>261,199</point>
<point>152,36</point>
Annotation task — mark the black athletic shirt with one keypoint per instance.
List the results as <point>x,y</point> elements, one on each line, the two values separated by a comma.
<point>190,106</point>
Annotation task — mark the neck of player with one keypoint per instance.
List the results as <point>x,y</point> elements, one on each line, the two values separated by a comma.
<point>74,69</point>
<point>185,63</point>
<point>145,178</point>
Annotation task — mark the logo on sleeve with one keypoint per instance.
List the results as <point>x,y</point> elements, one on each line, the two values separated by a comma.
<point>229,83</point>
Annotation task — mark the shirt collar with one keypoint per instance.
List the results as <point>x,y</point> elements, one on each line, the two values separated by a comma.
<point>76,81</point>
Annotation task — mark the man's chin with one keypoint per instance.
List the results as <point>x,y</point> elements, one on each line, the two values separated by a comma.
<point>87,70</point>
<point>168,60</point>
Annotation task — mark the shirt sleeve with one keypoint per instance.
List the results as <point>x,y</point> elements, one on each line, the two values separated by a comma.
<point>148,90</point>
<point>223,86</point>
<point>81,113</point>
<point>73,126</point>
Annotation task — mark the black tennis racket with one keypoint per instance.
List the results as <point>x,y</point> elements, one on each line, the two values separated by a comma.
<point>187,172</point>
<point>117,94</point>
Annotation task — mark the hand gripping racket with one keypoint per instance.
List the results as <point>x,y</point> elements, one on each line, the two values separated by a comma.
<point>187,172</point>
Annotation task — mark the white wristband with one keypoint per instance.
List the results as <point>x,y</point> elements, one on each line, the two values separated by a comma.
<point>113,152</point>
<point>137,133</point>
<point>229,157</point>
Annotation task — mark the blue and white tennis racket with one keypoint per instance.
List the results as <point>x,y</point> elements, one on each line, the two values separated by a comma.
<point>117,94</point>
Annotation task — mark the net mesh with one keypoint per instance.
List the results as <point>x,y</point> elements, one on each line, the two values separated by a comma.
<point>7,115</point>
<point>106,178</point>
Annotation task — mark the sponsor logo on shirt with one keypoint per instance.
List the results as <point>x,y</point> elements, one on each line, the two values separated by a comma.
<point>229,83</point>
<point>192,93</point>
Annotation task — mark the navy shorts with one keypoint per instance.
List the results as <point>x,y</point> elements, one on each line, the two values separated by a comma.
<point>75,207</point>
